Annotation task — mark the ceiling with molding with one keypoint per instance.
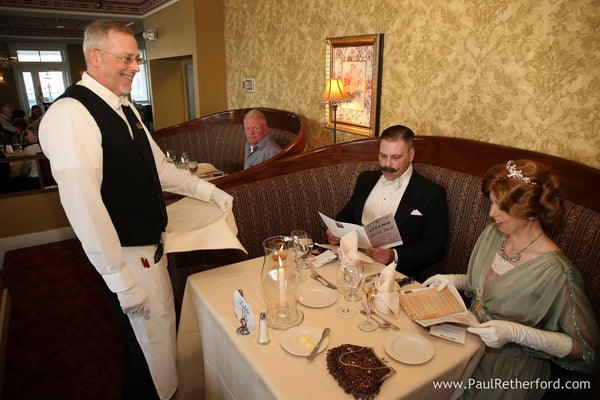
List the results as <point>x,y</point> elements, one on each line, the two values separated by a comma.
<point>67,19</point>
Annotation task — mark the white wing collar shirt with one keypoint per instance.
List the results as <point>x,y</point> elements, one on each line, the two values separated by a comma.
<point>385,197</point>
<point>70,137</point>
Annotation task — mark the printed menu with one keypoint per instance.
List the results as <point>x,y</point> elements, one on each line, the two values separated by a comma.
<point>427,306</point>
<point>382,233</point>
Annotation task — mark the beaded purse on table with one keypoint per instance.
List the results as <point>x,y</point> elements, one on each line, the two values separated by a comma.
<point>357,370</point>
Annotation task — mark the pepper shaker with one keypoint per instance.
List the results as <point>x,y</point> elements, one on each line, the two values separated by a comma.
<point>263,330</point>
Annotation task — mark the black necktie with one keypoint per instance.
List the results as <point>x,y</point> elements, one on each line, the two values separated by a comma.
<point>143,146</point>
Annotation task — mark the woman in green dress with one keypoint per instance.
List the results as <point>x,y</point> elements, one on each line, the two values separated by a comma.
<point>528,297</point>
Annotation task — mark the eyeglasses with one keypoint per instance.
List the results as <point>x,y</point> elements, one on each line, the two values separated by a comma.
<point>126,59</point>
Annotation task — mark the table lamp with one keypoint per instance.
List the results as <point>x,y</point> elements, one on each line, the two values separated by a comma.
<point>333,95</point>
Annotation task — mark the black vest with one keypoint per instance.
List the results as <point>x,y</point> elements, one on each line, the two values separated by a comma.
<point>131,188</point>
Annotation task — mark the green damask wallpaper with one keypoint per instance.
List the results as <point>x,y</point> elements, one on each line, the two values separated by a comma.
<point>520,73</point>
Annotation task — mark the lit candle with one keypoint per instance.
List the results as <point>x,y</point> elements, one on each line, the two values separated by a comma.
<point>281,283</point>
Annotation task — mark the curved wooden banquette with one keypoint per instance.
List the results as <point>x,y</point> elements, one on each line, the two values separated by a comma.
<point>286,195</point>
<point>219,139</point>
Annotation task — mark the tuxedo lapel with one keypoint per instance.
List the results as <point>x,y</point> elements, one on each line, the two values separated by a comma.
<point>410,200</point>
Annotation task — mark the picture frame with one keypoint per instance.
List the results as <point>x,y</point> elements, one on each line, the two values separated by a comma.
<point>358,61</point>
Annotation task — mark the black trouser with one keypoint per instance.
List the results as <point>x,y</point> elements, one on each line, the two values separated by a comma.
<point>137,381</point>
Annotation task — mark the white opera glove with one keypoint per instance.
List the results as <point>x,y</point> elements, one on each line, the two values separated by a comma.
<point>134,300</point>
<point>223,199</point>
<point>441,281</point>
<point>496,333</point>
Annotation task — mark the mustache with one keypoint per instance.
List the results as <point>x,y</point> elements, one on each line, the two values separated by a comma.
<point>389,169</point>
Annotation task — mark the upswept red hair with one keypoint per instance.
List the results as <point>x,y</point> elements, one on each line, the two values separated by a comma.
<point>542,198</point>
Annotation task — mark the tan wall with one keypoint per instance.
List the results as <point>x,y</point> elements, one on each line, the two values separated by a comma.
<point>523,74</point>
<point>209,65</point>
<point>168,100</point>
<point>187,29</point>
<point>33,213</point>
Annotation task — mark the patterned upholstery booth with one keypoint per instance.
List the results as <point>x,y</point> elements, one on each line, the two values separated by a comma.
<point>218,139</point>
<point>288,194</point>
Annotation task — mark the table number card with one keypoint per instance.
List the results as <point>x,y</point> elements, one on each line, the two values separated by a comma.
<point>244,310</point>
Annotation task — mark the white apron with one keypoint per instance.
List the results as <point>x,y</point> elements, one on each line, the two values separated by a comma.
<point>156,335</point>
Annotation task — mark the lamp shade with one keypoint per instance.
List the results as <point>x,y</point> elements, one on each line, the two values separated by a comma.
<point>334,91</point>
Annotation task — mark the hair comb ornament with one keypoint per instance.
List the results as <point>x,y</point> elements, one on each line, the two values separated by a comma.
<point>513,172</point>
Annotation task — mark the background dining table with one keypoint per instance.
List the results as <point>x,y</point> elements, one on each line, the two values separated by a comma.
<point>214,362</point>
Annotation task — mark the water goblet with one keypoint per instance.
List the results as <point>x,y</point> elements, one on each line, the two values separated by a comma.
<point>369,292</point>
<point>302,247</point>
<point>353,273</point>
<point>349,277</point>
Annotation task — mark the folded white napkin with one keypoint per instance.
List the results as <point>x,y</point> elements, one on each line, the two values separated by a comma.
<point>348,250</point>
<point>387,291</point>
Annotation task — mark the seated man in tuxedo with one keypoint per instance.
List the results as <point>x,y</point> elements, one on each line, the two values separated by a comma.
<point>418,205</point>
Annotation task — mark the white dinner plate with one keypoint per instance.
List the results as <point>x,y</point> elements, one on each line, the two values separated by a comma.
<point>295,339</point>
<point>317,296</point>
<point>409,348</point>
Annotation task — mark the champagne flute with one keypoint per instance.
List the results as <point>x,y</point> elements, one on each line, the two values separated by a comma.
<point>369,291</point>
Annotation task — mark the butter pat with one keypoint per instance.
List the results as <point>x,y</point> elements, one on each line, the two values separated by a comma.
<point>309,344</point>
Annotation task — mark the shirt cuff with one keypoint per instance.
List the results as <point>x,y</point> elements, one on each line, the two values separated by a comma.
<point>204,190</point>
<point>119,281</point>
<point>395,256</point>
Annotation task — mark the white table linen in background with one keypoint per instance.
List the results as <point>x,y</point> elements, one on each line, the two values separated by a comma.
<point>213,362</point>
<point>197,225</point>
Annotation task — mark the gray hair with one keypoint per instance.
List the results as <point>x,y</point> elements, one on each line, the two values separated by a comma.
<point>95,35</point>
<point>256,114</point>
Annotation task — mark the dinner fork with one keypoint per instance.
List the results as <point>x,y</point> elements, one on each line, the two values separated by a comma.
<point>315,275</point>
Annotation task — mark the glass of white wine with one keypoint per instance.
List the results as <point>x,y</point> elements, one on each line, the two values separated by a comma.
<point>369,291</point>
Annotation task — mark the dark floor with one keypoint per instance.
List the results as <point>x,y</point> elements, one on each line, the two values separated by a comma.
<point>63,342</point>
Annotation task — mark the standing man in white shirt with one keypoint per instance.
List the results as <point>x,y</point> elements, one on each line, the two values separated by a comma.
<point>259,146</point>
<point>418,205</point>
<point>110,176</point>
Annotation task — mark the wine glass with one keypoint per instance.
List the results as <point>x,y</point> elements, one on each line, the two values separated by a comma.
<point>349,277</point>
<point>369,291</point>
<point>170,155</point>
<point>185,160</point>
<point>303,245</point>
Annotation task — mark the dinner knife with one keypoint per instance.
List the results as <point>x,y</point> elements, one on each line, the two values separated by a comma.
<point>315,350</point>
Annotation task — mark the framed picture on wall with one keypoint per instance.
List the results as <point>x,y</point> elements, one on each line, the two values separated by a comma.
<point>357,61</point>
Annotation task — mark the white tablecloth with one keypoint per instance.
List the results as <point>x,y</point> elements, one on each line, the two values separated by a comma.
<point>214,362</point>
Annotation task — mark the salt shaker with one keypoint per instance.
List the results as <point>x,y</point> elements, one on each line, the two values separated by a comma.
<point>263,330</point>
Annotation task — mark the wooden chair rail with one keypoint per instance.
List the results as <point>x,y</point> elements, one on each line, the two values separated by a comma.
<point>579,182</point>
